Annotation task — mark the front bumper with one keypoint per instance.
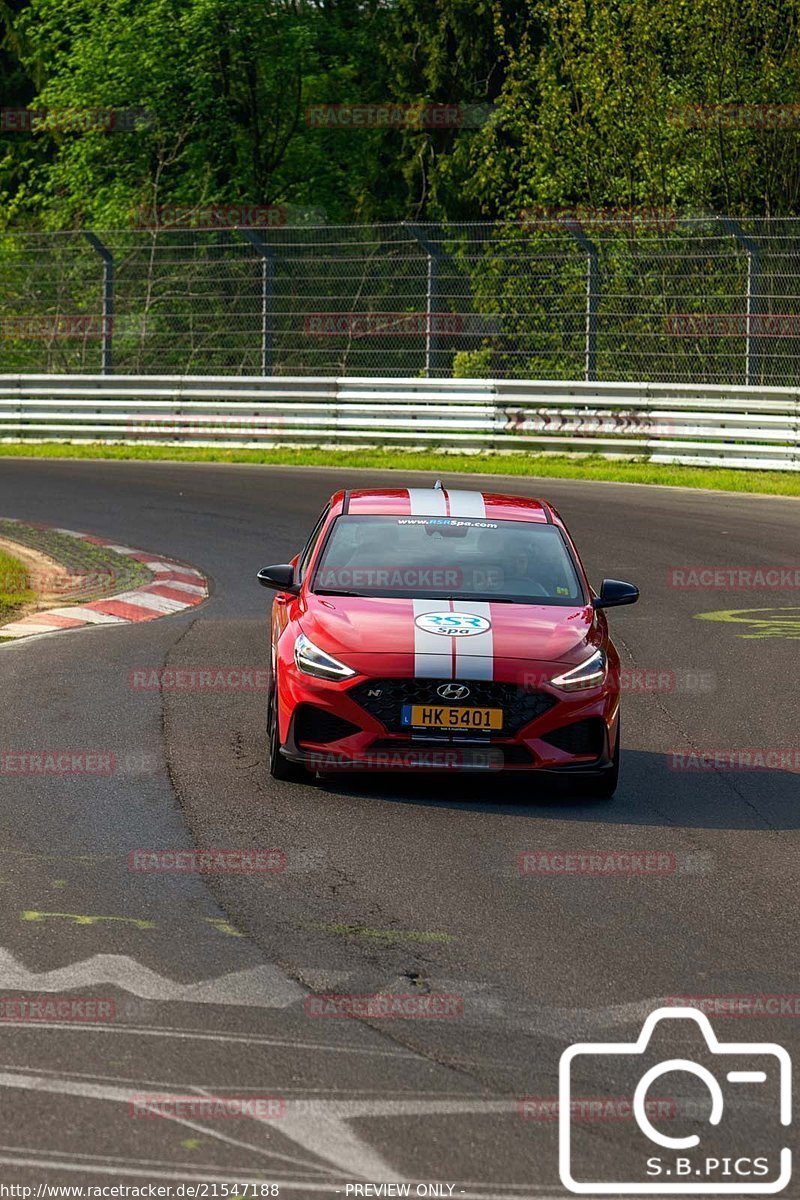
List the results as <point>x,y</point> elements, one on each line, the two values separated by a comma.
<point>357,739</point>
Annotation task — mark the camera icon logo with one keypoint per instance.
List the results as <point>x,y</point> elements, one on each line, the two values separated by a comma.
<point>674,1169</point>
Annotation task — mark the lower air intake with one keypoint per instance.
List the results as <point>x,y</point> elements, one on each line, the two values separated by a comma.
<point>317,725</point>
<point>583,737</point>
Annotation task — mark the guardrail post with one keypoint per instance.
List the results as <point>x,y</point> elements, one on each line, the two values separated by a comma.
<point>267,295</point>
<point>433,364</point>
<point>592,297</point>
<point>752,365</point>
<point>108,300</point>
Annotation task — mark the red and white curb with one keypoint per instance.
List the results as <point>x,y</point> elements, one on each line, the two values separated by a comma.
<point>174,588</point>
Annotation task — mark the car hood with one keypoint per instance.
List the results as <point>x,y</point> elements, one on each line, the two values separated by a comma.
<point>357,628</point>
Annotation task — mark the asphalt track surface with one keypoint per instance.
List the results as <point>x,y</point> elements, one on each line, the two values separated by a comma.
<point>396,885</point>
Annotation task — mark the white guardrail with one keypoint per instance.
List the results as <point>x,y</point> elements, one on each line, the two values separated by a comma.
<point>702,425</point>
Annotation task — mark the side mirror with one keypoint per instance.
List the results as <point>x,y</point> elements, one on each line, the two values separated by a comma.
<point>614,592</point>
<point>280,578</point>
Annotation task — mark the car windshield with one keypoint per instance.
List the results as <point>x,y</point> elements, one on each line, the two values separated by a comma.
<point>448,557</point>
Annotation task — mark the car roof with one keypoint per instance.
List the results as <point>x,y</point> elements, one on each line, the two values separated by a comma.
<point>440,501</point>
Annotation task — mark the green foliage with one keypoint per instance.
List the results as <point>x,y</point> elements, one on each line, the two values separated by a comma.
<point>14,586</point>
<point>581,92</point>
<point>579,102</point>
<point>472,364</point>
<point>595,112</point>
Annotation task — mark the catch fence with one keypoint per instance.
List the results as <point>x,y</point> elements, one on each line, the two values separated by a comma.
<point>604,298</point>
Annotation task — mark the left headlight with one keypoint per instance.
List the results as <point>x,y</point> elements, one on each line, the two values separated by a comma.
<point>313,661</point>
<point>588,674</point>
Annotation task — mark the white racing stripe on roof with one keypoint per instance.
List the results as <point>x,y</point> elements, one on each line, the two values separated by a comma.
<point>427,502</point>
<point>432,653</point>
<point>466,504</point>
<point>475,654</point>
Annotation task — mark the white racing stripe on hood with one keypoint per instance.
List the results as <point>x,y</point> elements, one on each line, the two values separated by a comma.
<point>466,504</point>
<point>432,653</point>
<point>427,502</point>
<point>475,654</point>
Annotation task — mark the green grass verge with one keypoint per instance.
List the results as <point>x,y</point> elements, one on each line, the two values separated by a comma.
<point>775,483</point>
<point>14,587</point>
<point>104,572</point>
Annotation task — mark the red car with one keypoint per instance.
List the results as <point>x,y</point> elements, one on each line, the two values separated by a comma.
<point>439,629</point>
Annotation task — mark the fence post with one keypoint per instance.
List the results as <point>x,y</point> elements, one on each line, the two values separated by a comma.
<point>433,365</point>
<point>267,295</point>
<point>592,296</point>
<point>108,300</point>
<point>752,366</point>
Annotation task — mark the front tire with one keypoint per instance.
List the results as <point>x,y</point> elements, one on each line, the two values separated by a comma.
<point>279,767</point>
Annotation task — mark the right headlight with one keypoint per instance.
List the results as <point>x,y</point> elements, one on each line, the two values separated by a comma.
<point>588,674</point>
<point>312,661</point>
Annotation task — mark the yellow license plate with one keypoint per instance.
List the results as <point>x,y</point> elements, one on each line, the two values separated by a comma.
<point>434,716</point>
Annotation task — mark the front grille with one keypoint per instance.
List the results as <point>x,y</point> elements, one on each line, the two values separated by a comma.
<point>384,699</point>
<point>582,737</point>
<point>318,725</point>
